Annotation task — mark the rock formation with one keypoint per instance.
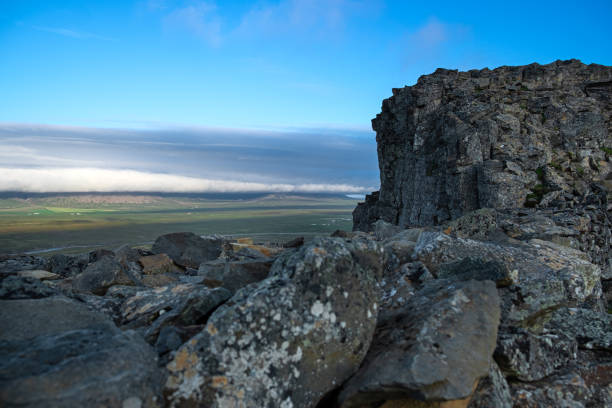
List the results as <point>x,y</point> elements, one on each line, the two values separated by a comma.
<point>512,137</point>
<point>483,279</point>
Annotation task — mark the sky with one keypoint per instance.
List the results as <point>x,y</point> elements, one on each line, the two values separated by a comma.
<point>192,95</point>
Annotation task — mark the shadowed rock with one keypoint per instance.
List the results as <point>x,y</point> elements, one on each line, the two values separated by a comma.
<point>437,350</point>
<point>188,249</point>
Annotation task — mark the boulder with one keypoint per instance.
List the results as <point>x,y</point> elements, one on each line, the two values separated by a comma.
<point>19,287</point>
<point>68,265</point>
<point>188,249</point>
<point>150,310</point>
<point>25,319</point>
<point>289,339</point>
<point>9,264</point>
<point>158,264</point>
<point>56,353</point>
<point>435,351</point>
<point>545,276</point>
<point>234,275</point>
<point>101,275</point>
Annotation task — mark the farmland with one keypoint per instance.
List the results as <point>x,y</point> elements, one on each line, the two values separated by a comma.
<point>77,223</point>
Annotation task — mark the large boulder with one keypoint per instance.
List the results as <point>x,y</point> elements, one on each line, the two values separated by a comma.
<point>188,249</point>
<point>54,352</point>
<point>436,350</point>
<point>289,339</point>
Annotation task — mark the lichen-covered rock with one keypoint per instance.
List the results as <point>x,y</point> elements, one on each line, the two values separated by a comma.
<point>492,391</point>
<point>437,350</point>
<point>188,249</point>
<point>528,356</point>
<point>592,330</point>
<point>503,138</point>
<point>544,276</point>
<point>174,305</point>
<point>101,275</point>
<point>234,275</point>
<point>289,339</point>
<point>580,385</point>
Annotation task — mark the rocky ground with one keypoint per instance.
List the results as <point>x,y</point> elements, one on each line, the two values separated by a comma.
<point>461,303</point>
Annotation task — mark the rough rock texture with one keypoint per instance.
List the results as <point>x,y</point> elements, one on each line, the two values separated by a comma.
<point>436,350</point>
<point>101,275</point>
<point>188,249</point>
<point>56,353</point>
<point>234,275</point>
<point>492,391</point>
<point>535,135</point>
<point>289,339</point>
<point>173,305</point>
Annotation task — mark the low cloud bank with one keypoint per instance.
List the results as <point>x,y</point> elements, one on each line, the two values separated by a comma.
<point>62,180</point>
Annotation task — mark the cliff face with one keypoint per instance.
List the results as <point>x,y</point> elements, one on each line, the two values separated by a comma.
<point>527,136</point>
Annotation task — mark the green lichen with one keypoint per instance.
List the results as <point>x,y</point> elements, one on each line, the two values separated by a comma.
<point>607,150</point>
<point>555,165</point>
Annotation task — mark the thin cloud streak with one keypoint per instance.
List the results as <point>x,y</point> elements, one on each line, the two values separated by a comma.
<point>63,180</point>
<point>72,33</point>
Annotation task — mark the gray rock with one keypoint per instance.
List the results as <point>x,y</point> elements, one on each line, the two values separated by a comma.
<point>477,269</point>
<point>25,319</point>
<point>592,330</point>
<point>437,350</point>
<point>545,276</point>
<point>67,265</point>
<point>492,391</point>
<point>289,339</point>
<point>529,357</point>
<point>234,275</point>
<point>584,383</point>
<point>384,230</point>
<point>188,249</point>
<point>10,264</point>
<point>174,305</point>
<point>101,275</point>
<point>449,144</point>
<point>18,287</point>
<point>94,367</point>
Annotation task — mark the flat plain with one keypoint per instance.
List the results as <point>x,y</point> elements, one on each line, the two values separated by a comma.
<point>78,223</point>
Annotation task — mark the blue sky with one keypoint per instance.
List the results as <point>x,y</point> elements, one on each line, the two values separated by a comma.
<point>305,71</point>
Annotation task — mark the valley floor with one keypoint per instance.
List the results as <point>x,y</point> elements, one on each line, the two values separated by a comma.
<point>75,224</point>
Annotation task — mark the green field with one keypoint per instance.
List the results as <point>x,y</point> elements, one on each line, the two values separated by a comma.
<point>77,223</point>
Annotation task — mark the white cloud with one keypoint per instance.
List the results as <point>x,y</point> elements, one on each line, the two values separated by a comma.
<point>291,16</point>
<point>61,180</point>
<point>66,32</point>
<point>433,37</point>
<point>199,18</point>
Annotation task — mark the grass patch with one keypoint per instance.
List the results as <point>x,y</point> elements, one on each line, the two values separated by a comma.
<point>112,225</point>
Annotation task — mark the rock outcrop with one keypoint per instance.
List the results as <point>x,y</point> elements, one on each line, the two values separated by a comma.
<point>527,136</point>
